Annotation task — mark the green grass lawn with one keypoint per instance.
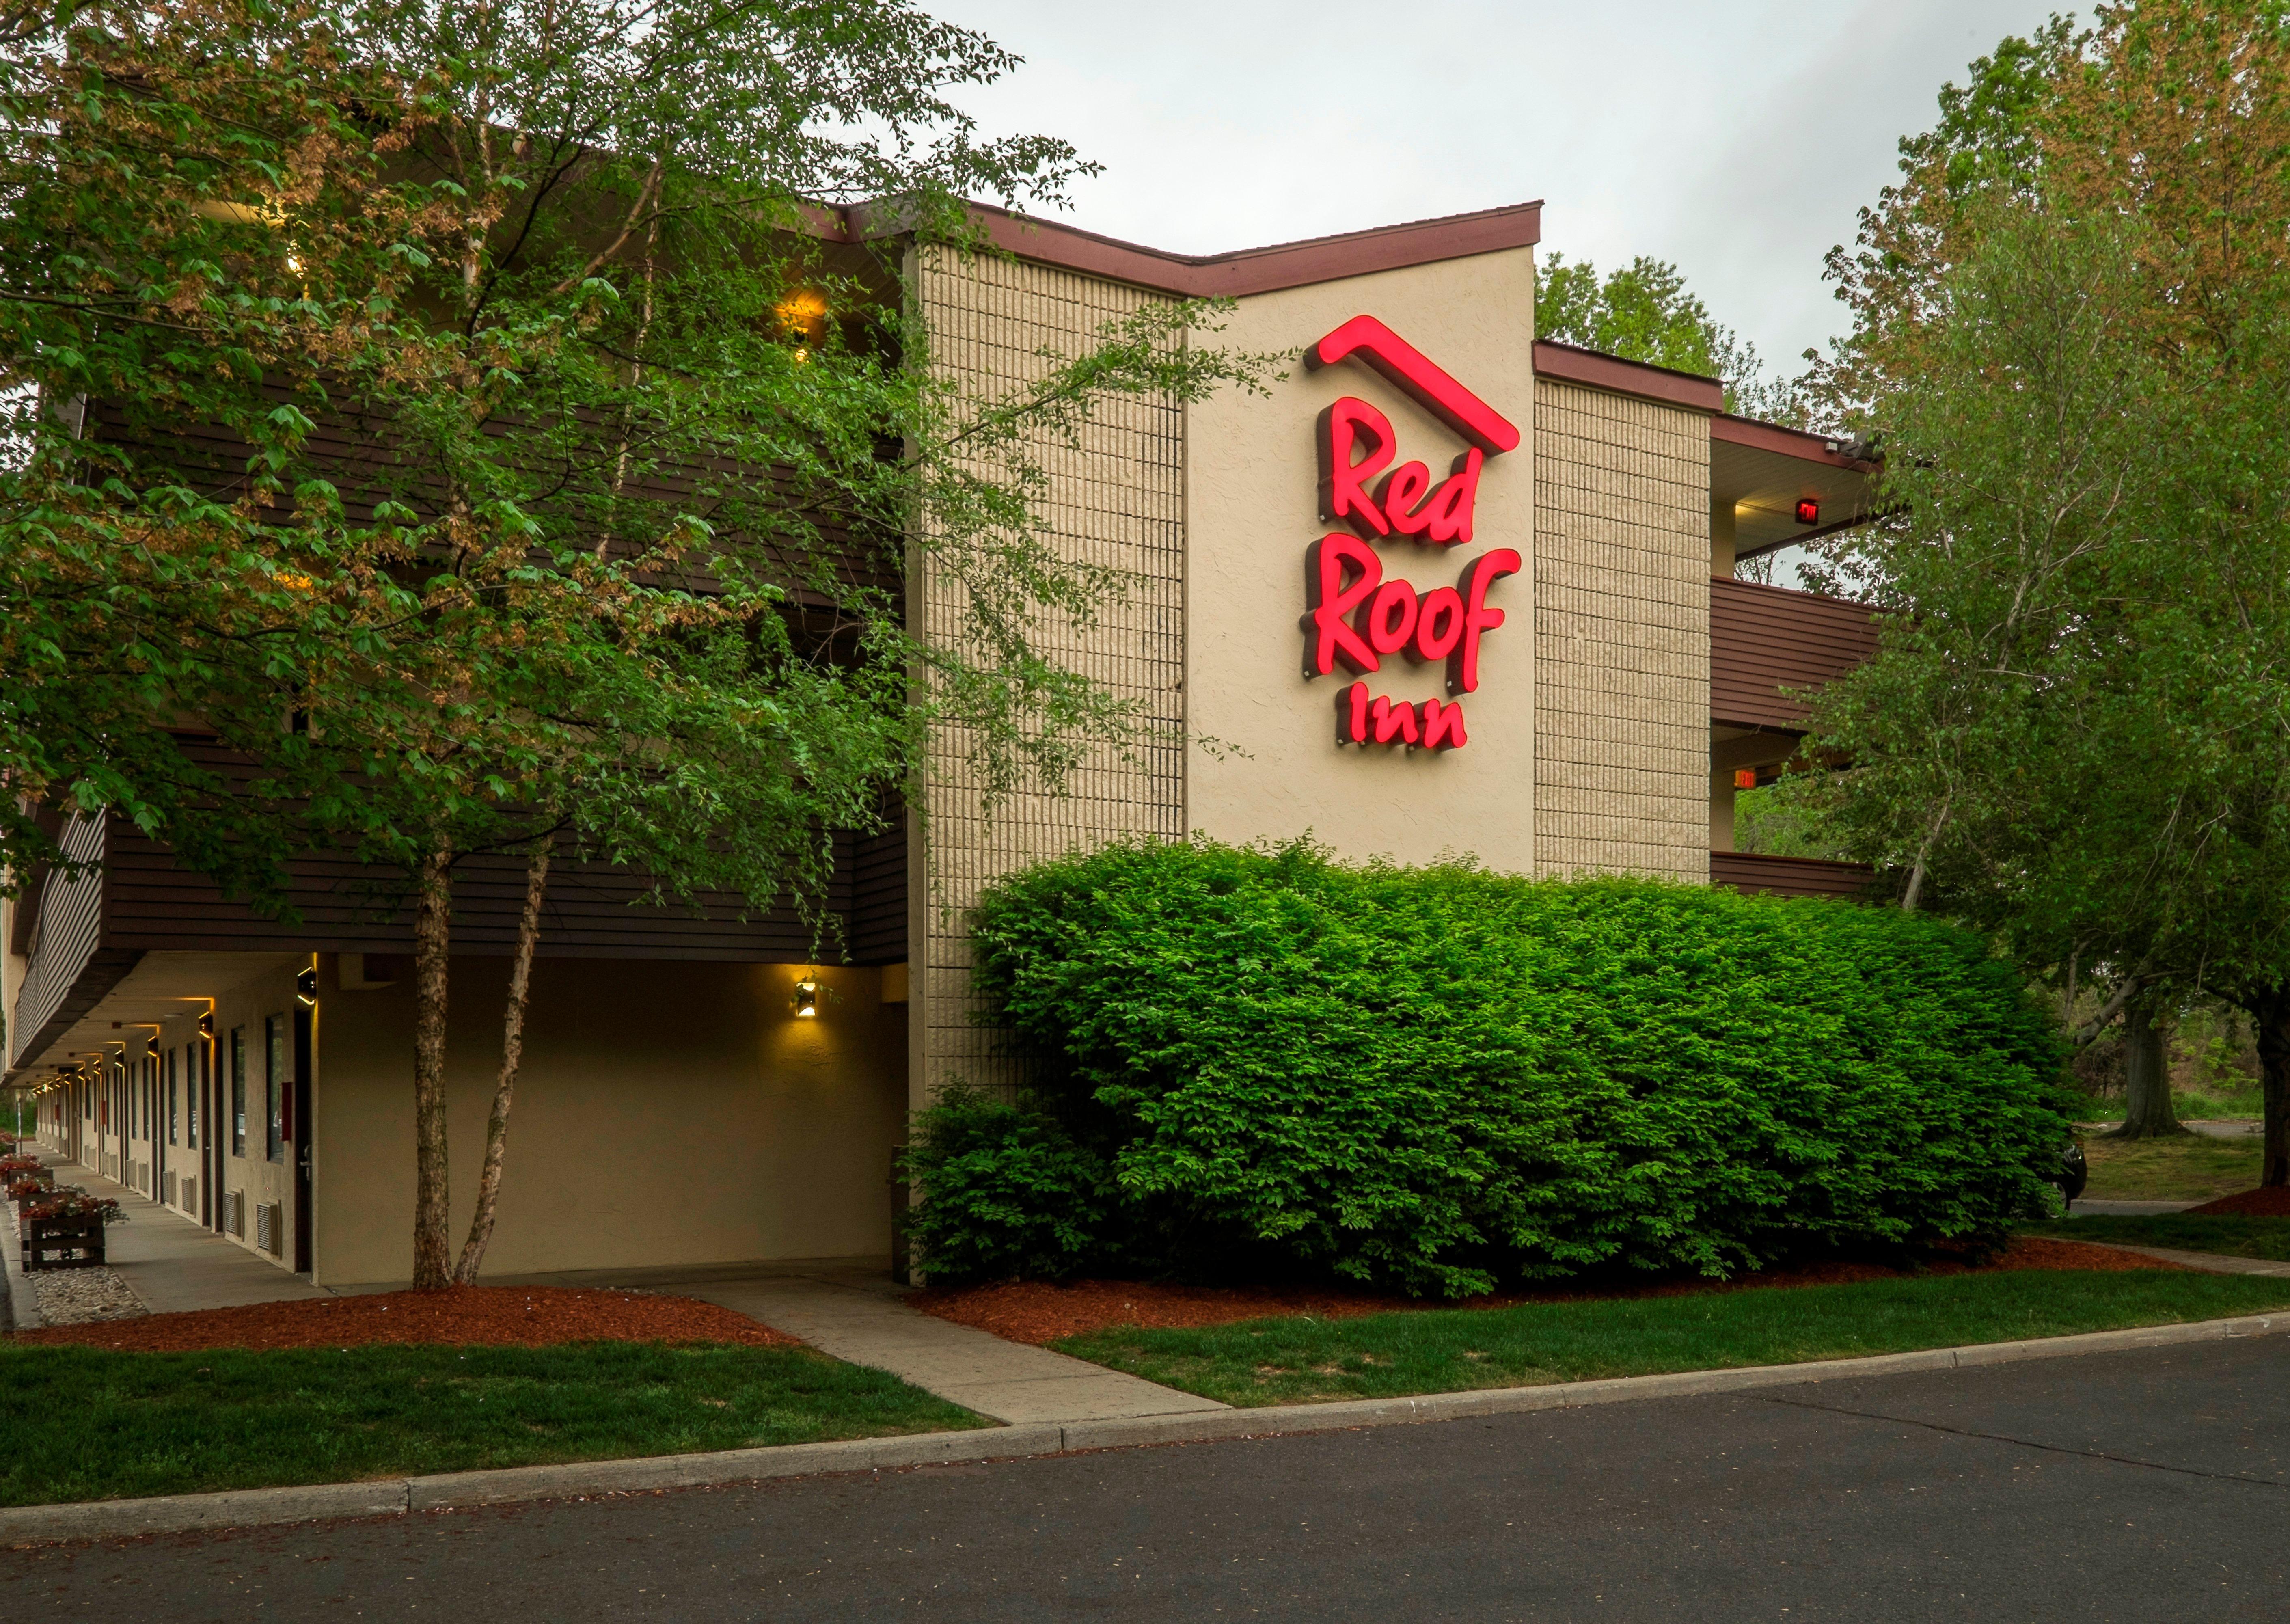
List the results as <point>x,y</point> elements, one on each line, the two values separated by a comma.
<point>2188,1103</point>
<point>1441,1350</point>
<point>2176,1169</point>
<point>2169,1169</point>
<point>2229,1235</point>
<point>85,1423</point>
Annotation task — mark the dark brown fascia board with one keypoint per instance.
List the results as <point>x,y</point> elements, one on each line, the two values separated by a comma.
<point>1616,376</point>
<point>1788,442</point>
<point>1226,275</point>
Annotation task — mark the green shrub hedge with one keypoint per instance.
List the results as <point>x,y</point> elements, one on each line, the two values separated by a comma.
<point>1441,1078</point>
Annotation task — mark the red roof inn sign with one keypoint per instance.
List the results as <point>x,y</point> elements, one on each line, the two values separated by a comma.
<point>1358,618</point>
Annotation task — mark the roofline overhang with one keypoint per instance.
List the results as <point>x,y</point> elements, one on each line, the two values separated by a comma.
<point>1221,276</point>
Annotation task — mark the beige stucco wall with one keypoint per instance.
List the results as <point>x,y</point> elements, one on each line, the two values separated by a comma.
<point>666,1114</point>
<point>1116,501</point>
<point>1622,634</point>
<point>1265,762</point>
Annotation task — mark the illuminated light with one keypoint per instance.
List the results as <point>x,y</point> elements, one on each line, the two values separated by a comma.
<point>1395,724</point>
<point>1422,379</point>
<point>1331,602</point>
<point>806,1000</point>
<point>1448,515</point>
<point>306,988</point>
<point>1443,726</point>
<point>1364,719</point>
<point>1352,425</point>
<point>1401,496</point>
<point>1808,510</point>
<point>1745,778</point>
<point>1357,616</point>
<point>1478,618</point>
<point>1438,625</point>
<point>1390,617</point>
<point>802,316</point>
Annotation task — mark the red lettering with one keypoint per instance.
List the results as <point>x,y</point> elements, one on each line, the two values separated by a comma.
<point>1402,489</point>
<point>1438,625</point>
<point>1443,726</point>
<point>1395,722</point>
<point>1483,571</point>
<point>1353,425</point>
<point>1448,515</point>
<point>1332,636</point>
<point>1391,618</point>
<point>1351,715</point>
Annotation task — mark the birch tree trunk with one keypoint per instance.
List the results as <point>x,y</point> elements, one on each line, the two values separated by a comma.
<point>433,920</point>
<point>520,984</point>
<point>2147,1112</point>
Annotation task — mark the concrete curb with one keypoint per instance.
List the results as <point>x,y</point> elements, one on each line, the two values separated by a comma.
<point>397,1496</point>
<point>645,1473</point>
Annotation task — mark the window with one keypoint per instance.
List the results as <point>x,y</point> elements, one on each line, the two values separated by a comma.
<point>174,1098</point>
<point>274,1077</point>
<point>238,1091</point>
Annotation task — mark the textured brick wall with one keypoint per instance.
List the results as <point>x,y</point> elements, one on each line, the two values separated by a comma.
<point>1621,625</point>
<point>1117,502</point>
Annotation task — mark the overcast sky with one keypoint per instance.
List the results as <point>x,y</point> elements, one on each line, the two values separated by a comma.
<point>1736,138</point>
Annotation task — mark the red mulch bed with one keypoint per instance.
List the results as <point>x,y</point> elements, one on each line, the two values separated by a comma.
<point>2266,1200</point>
<point>463,1316</point>
<point>1041,1312</point>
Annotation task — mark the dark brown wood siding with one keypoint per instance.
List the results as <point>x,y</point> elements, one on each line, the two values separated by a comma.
<point>1790,877</point>
<point>69,967</point>
<point>1764,639</point>
<point>879,894</point>
<point>592,911</point>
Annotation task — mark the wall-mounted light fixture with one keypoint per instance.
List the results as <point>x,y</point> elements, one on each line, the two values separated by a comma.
<point>306,989</point>
<point>806,1000</point>
<point>206,1026</point>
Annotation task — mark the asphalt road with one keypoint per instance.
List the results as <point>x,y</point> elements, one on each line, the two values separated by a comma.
<point>2149,1486</point>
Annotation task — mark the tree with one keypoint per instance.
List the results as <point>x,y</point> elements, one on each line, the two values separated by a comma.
<point>2069,337</point>
<point>1643,312</point>
<point>551,479</point>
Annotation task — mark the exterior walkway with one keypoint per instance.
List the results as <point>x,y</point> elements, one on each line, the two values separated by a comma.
<point>171,1263</point>
<point>849,1309</point>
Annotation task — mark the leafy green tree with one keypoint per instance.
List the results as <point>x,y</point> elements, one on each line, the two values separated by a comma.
<point>457,413</point>
<point>1644,312</point>
<point>2071,337</point>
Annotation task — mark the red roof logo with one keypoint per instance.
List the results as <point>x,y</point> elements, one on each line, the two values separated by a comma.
<point>1421,378</point>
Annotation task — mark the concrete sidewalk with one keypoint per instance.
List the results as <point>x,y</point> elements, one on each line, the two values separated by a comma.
<point>847,1308</point>
<point>171,1263</point>
<point>850,1309</point>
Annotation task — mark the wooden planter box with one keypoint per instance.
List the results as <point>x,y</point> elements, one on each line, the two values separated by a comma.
<point>63,1243</point>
